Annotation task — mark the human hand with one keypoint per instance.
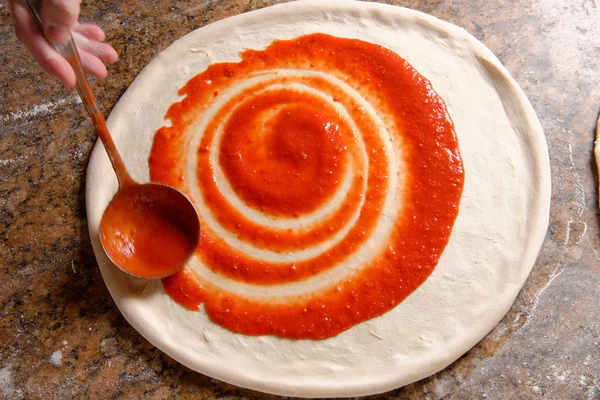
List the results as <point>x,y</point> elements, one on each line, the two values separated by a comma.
<point>58,18</point>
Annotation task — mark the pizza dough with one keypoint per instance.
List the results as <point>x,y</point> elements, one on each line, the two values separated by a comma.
<point>597,146</point>
<point>496,237</point>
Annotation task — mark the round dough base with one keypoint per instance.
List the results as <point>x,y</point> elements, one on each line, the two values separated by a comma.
<point>496,238</point>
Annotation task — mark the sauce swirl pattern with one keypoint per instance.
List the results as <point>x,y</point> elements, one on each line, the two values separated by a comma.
<point>327,176</point>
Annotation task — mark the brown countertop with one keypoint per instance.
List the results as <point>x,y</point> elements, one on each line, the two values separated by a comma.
<point>61,336</point>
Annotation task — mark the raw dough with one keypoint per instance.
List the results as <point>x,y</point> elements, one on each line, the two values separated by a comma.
<point>496,238</point>
<point>597,148</point>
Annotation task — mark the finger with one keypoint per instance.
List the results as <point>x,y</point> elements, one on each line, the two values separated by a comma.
<point>23,22</point>
<point>93,65</point>
<point>30,35</point>
<point>101,50</point>
<point>90,31</point>
<point>104,52</point>
<point>50,60</point>
<point>59,17</point>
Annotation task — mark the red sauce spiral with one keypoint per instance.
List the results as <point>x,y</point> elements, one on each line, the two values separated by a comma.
<point>328,178</point>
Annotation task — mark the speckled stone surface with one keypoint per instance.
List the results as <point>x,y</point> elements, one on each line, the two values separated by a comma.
<point>61,336</point>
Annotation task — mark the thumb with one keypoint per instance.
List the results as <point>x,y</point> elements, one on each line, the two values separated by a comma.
<point>59,17</point>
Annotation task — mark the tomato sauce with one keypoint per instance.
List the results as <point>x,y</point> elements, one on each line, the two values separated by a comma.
<point>144,236</point>
<point>287,127</point>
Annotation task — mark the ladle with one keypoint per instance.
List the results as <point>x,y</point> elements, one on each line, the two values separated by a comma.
<point>147,230</point>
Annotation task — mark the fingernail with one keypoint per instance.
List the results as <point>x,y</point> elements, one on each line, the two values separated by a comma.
<point>57,34</point>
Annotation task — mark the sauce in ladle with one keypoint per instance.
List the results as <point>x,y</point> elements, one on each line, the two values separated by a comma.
<point>149,230</point>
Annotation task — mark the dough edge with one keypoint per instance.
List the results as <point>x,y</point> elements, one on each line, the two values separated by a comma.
<point>597,151</point>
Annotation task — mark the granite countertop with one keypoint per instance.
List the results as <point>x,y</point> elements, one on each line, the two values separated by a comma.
<point>61,335</point>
